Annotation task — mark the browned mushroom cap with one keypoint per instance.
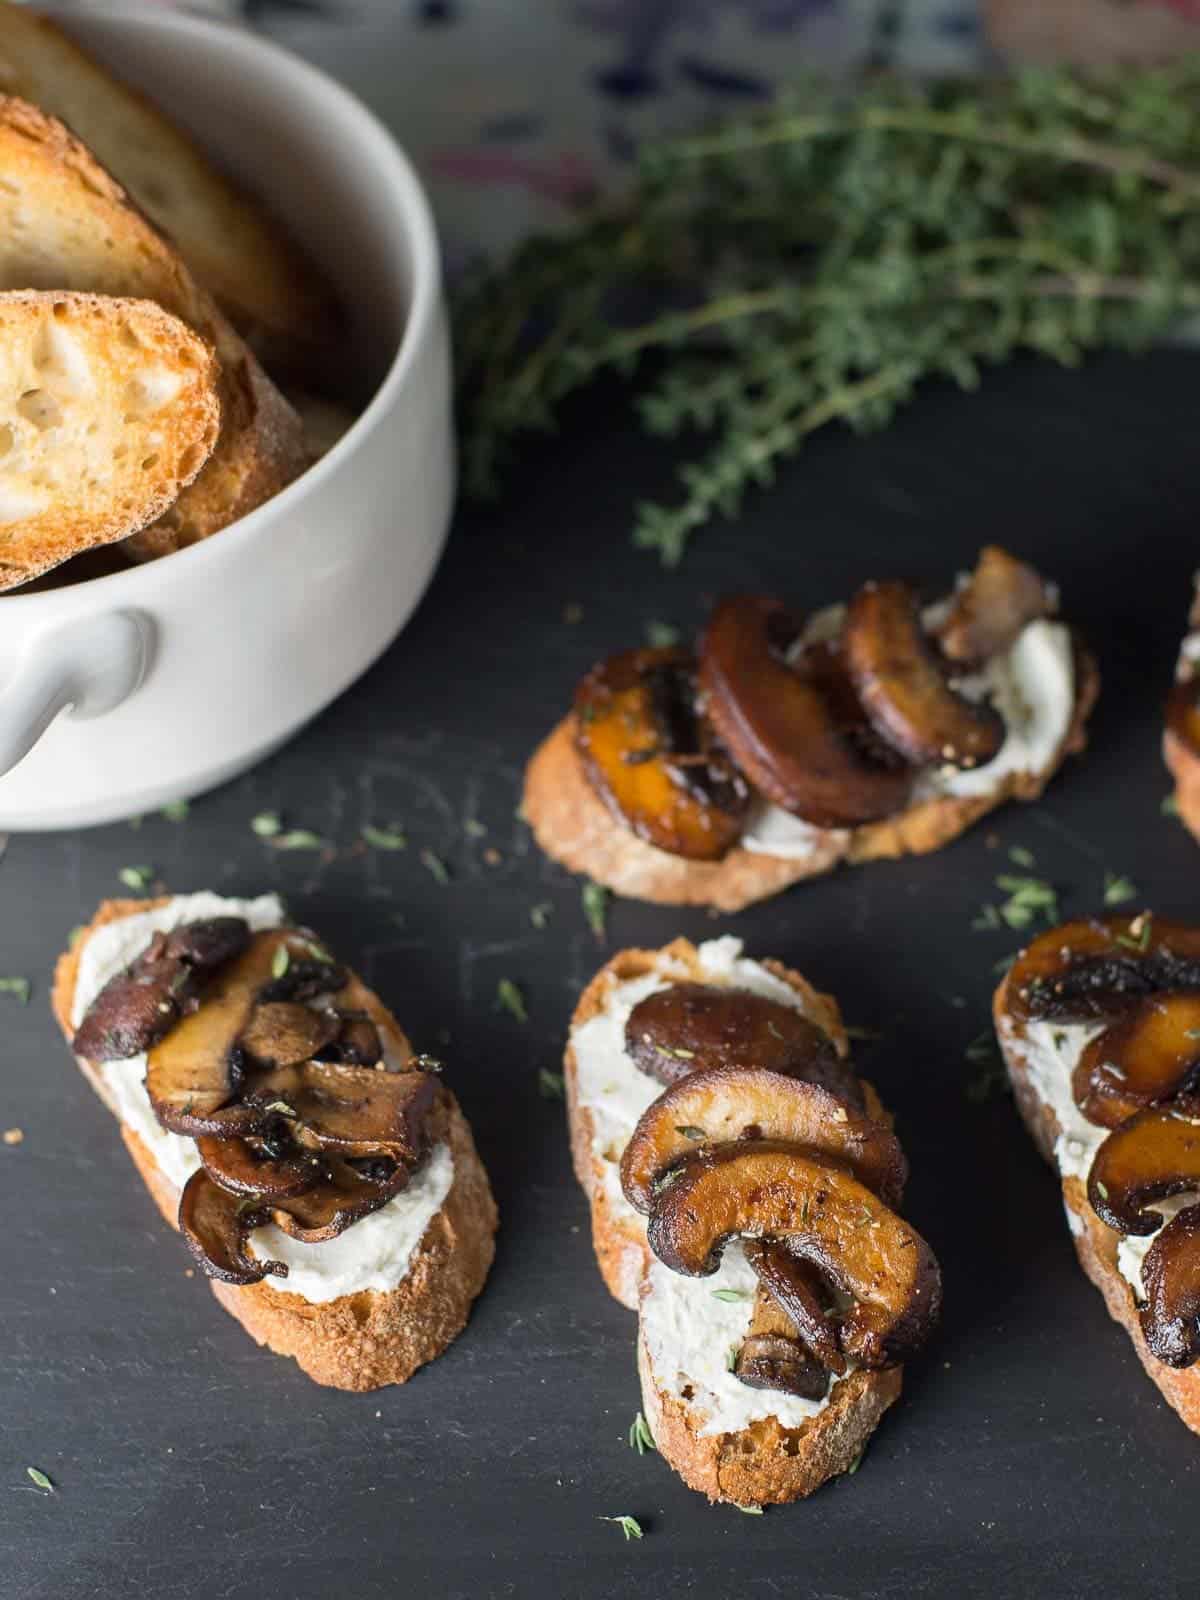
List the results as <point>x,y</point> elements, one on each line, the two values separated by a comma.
<point>1103,967</point>
<point>196,1069</point>
<point>357,1042</point>
<point>1146,1057</point>
<point>282,1032</point>
<point>138,1006</point>
<point>1183,710</point>
<point>773,1361</point>
<point>354,1110</point>
<point>783,729</point>
<point>1153,1155</point>
<point>652,759</point>
<point>1171,1275</point>
<point>727,1104</point>
<point>1001,597</point>
<point>347,1192</point>
<point>827,1217</point>
<point>215,1226</point>
<point>687,1026</point>
<point>795,1287</point>
<point>270,1165</point>
<point>901,684</point>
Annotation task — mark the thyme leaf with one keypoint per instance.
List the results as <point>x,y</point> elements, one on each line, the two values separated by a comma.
<point>640,1437</point>
<point>629,1526</point>
<point>594,897</point>
<point>509,998</point>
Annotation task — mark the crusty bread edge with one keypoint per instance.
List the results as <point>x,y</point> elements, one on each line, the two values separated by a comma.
<point>1095,1243</point>
<point>765,1463</point>
<point>358,1341</point>
<point>573,826</point>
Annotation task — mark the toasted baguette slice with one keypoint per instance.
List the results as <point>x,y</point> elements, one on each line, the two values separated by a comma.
<point>108,408</point>
<point>365,1339</point>
<point>1096,1244</point>
<point>247,263</point>
<point>65,223</point>
<point>765,1463</point>
<point>573,825</point>
<point>1180,754</point>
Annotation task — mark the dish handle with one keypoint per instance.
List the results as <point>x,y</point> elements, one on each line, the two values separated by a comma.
<point>88,665</point>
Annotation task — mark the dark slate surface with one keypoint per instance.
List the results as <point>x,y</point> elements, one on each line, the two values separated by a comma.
<point>1029,1453</point>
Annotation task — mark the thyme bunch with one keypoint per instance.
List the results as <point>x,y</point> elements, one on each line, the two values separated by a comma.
<point>817,264</point>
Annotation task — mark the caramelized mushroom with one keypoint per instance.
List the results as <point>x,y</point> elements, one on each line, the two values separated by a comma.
<point>140,1005</point>
<point>1153,1155</point>
<point>1103,967</point>
<point>828,1217</point>
<point>357,1043</point>
<point>900,682</point>
<point>354,1110</point>
<point>1171,1274</point>
<point>1001,597</point>
<point>1149,1055</point>
<point>774,1361</point>
<point>282,1032</point>
<point>728,1104</point>
<point>781,727</point>
<point>346,1193</point>
<point>269,1165</point>
<point>795,1287</point>
<point>306,975</point>
<point>687,1026</point>
<point>197,1068</point>
<point>216,1225</point>
<point>652,759</point>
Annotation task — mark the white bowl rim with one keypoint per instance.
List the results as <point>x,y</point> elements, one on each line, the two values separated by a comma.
<point>424,302</point>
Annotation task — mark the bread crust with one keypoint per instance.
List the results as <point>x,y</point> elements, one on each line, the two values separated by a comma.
<point>765,1463</point>
<point>573,825</point>
<point>92,237</point>
<point>1095,1243</point>
<point>364,1340</point>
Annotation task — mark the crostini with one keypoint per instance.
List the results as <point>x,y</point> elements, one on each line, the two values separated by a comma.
<point>1181,736</point>
<point>743,1184</point>
<point>322,1175</point>
<point>781,747</point>
<point>1099,1024</point>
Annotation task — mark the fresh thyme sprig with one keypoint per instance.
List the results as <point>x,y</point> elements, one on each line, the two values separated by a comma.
<point>817,264</point>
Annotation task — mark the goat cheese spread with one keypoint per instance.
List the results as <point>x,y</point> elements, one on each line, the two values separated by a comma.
<point>375,1252</point>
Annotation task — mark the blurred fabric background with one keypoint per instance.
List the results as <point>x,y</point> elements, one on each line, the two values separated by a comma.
<point>518,111</point>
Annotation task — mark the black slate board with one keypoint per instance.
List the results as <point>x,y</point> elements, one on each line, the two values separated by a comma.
<point>1028,1453</point>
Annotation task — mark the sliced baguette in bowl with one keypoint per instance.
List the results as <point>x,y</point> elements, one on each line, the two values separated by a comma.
<point>108,409</point>
<point>372,1336</point>
<point>67,224</point>
<point>243,259</point>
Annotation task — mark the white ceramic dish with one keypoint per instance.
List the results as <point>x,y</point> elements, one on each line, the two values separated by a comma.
<point>128,691</point>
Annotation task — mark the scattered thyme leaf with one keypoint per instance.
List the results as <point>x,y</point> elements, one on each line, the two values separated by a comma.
<point>176,811</point>
<point>474,829</point>
<point>436,867</point>
<point>299,839</point>
<point>280,961</point>
<point>687,1130</point>
<point>754,1511</point>
<point>38,1477</point>
<point>75,935</point>
<point>266,824</point>
<point>509,998</point>
<point>661,635</point>
<point>384,838</point>
<point>1118,890</point>
<point>551,1085</point>
<point>987,919</point>
<point>1138,937</point>
<point>864,1035</point>
<point>1170,806</point>
<point>856,1463</point>
<point>1021,856</point>
<point>629,1526</point>
<point>730,1296</point>
<point>595,907</point>
<point>1101,1189</point>
<point>640,1437</point>
<point>20,988</point>
<point>540,914</point>
<point>136,877</point>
